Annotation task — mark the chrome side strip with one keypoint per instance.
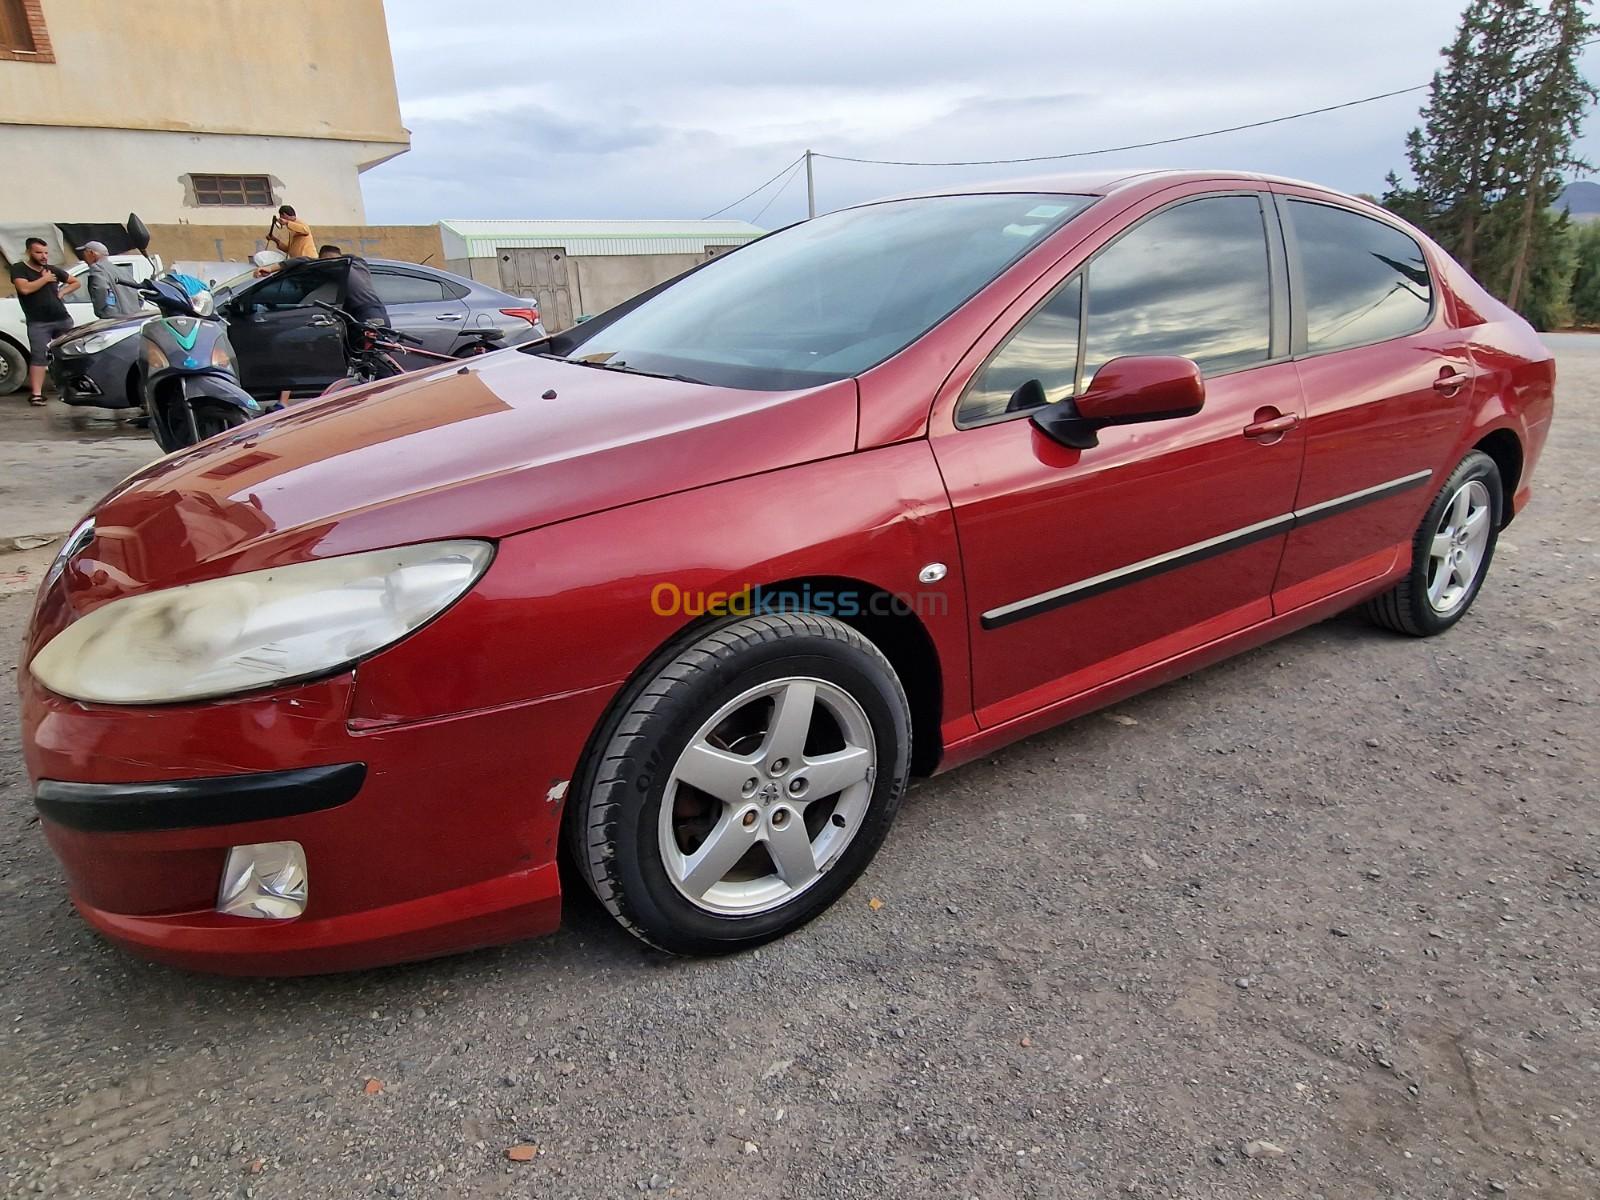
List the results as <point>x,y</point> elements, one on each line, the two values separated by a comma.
<point>1354,499</point>
<point>1044,602</point>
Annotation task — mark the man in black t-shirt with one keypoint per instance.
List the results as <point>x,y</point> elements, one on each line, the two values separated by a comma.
<point>40,287</point>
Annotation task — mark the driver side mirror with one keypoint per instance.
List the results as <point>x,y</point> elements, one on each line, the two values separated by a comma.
<point>1126,391</point>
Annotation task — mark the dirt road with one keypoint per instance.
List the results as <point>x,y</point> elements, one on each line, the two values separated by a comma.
<point>1341,895</point>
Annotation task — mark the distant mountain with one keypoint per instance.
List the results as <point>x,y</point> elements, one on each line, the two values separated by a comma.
<point>1581,200</point>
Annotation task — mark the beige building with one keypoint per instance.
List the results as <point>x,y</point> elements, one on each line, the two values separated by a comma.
<point>205,111</point>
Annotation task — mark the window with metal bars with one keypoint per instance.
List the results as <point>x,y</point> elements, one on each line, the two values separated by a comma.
<point>237,191</point>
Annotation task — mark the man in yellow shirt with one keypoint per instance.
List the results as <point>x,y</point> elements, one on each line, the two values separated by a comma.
<point>292,235</point>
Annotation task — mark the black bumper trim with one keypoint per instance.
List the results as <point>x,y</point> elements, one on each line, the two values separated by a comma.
<point>190,803</point>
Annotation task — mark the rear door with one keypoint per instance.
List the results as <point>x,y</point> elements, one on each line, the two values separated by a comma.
<point>423,306</point>
<point>285,343</point>
<point>1385,376</point>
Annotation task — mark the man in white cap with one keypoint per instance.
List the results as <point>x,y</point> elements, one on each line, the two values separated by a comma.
<point>109,292</point>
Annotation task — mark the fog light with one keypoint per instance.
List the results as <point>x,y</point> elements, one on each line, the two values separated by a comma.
<point>267,880</point>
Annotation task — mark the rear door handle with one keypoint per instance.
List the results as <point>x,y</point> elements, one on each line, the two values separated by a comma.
<point>1272,427</point>
<point>448,317</point>
<point>1450,381</point>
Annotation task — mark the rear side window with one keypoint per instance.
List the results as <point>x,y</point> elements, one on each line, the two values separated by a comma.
<point>1362,280</point>
<point>395,288</point>
<point>1192,280</point>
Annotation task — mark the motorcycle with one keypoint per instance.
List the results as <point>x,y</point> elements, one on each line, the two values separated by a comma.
<point>188,376</point>
<point>371,349</point>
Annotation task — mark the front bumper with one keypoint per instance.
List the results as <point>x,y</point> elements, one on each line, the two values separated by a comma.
<point>104,380</point>
<point>420,839</point>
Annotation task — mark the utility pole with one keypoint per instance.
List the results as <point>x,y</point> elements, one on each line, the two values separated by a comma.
<point>811,189</point>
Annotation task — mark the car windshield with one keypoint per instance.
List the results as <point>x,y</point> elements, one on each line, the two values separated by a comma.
<point>828,298</point>
<point>228,286</point>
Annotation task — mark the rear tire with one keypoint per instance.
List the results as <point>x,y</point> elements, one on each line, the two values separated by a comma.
<point>695,864</point>
<point>1450,553</point>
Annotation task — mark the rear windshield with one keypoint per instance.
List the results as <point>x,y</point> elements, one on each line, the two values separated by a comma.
<point>828,298</point>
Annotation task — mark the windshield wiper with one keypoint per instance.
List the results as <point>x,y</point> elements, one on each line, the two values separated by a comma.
<point>619,366</point>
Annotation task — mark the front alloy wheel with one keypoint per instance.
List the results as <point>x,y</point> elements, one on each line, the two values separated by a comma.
<point>741,786</point>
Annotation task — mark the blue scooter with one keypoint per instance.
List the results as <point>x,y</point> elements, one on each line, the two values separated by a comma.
<point>188,375</point>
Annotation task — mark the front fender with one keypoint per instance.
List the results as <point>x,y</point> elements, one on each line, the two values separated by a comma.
<point>578,605</point>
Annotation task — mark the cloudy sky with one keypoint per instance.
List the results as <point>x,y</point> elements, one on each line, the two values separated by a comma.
<point>633,108</point>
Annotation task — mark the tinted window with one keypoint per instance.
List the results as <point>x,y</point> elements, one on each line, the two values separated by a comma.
<point>1044,348</point>
<point>828,298</point>
<point>394,288</point>
<point>1191,281</point>
<point>295,288</point>
<point>1364,281</point>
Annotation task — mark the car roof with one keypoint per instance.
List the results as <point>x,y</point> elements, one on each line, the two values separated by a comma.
<point>1106,181</point>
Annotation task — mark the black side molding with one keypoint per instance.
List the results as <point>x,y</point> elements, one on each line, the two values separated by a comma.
<point>190,803</point>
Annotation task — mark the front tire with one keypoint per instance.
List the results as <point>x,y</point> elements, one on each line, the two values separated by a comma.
<point>742,786</point>
<point>1450,553</point>
<point>13,367</point>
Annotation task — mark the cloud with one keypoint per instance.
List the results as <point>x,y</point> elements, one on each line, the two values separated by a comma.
<point>631,108</point>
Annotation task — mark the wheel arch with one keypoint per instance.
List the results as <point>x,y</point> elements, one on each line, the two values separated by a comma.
<point>892,626</point>
<point>22,350</point>
<point>1505,448</point>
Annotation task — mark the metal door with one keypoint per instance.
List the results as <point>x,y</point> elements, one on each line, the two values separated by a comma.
<point>539,272</point>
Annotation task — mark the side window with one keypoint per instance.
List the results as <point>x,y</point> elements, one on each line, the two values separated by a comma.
<point>1043,349</point>
<point>1363,281</point>
<point>395,288</point>
<point>294,290</point>
<point>1191,281</point>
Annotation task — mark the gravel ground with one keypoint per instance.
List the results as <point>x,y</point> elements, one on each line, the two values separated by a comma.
<point>1340,895</point>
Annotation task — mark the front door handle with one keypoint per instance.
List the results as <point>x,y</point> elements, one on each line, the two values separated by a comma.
<point>1272,427</point>
<point>322,322</point>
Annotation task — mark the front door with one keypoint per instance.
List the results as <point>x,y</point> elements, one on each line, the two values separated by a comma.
<point>284,342</point>
<point>1386,378</point>
<point>1082,566</point>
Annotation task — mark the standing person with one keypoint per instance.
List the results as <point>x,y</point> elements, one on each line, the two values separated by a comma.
<point>292,235</point>
<point>109,293</point>
<point>361,299</point>
<point>40,287</point>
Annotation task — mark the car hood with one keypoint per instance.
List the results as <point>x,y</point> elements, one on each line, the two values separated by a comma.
<point>504,444</point>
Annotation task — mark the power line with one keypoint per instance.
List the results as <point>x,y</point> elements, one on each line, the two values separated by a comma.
<point>754,191</point>
<point>794,171</point>
<point>1188,137</point>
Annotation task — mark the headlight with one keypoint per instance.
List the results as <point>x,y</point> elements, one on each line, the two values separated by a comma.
<point>247,631</point>
<point>97,342</point>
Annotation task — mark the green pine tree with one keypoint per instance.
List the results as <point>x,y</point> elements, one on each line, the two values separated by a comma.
<point>1553,99</point>
<point>1586,275</point>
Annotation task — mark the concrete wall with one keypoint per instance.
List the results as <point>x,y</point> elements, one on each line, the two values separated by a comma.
<point>129,97</point>
<point>595,282</point>
<point>299,68</point>
<point>103,174</point>
<point>604,280</point>
<point>224,243</point>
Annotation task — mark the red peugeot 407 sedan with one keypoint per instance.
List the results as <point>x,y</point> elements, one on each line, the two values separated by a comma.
<point>685,594</point>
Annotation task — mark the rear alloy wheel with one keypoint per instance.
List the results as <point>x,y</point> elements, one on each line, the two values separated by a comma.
<point>1450,554</point>
<point>741,789</point>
